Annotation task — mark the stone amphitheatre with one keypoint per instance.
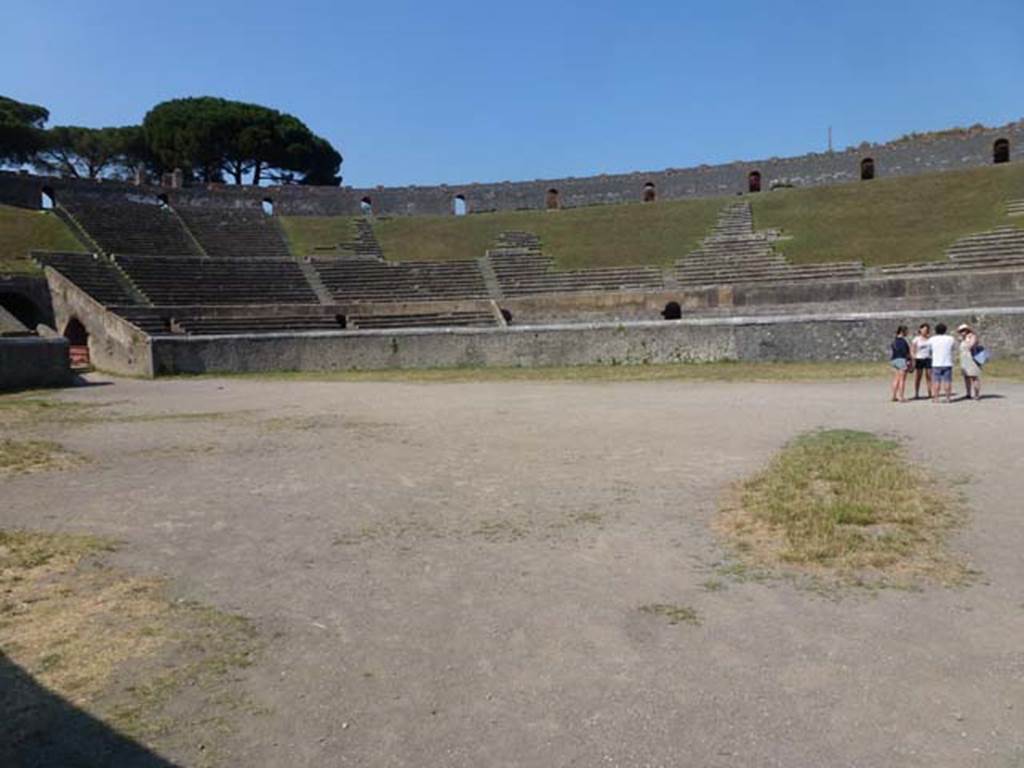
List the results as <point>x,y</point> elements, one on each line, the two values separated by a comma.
<point>457,475</point>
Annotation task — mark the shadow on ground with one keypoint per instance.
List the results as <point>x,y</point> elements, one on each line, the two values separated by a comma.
<point>38,728</point>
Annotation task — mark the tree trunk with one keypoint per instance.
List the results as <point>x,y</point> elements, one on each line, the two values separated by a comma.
<point>257,172</point>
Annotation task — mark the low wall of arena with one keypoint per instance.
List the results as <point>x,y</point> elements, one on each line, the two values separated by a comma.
<point>29,362</point>
<point>829,337</point>
<point>916,154</point>
<point>877,293</point>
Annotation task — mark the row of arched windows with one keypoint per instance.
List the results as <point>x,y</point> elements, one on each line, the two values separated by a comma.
<point>1000,154</point>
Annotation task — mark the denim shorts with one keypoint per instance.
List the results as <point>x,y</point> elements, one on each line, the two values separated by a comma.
<point>900,363</point>
<point>943,374</point>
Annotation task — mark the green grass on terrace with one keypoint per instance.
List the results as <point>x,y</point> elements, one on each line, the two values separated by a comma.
<point>889,220</point>
<point>304,233</point>
<point>595,236</point>
<point>22,230</point>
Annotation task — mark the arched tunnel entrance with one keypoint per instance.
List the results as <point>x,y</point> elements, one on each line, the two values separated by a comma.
<point>78,341</point>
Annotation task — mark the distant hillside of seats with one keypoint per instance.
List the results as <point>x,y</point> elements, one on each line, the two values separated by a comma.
<point>875,222</point>
<point>23,231</point>
<point>235,232</point>
<point>123,224</point>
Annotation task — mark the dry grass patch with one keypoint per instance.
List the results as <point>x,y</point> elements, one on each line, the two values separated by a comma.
<point>848,507</point>
<point>675,614</point>
<point>27,411</point>
<point>113,645</point>
<point>18,456</point>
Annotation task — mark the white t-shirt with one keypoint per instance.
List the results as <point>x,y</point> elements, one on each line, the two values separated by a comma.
<point>922,347</point>
<point>942,351</point>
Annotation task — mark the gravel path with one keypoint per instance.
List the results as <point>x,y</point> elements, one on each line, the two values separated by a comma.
<point>452,574</point>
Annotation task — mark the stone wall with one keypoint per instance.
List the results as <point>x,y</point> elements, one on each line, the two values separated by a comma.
<point>115,345</point>
<point>941,151</point>
<point>852,337</point>
<point>28,362</point>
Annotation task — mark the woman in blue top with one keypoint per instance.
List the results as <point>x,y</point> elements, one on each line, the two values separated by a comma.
<point>900,361</point>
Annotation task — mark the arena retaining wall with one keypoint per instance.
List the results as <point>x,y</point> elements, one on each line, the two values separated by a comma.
<point>852,337</point>
<point>28,362</point>
<point>938,151</point>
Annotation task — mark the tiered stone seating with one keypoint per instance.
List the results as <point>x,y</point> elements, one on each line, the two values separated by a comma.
<point>422,320</point>
<point>127,226</point>
<point>235,232</point>
<point>362,278</point>
<point>734,253</point>
<point>96,275</point>
<point>275,323</point>
<point>999,248</point>
<point>522,269</point>
<point>1015,208</point>
<point>155,321</point>
<point>200,280</point>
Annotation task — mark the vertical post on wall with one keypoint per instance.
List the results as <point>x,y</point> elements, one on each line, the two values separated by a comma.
<point>830,139</point>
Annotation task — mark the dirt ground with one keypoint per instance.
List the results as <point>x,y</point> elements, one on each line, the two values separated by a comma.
<point>456,574</point>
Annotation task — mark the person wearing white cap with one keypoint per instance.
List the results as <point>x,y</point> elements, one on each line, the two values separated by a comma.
<point>968,365</point>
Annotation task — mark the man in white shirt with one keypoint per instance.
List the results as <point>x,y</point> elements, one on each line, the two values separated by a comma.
<point>942,345</point>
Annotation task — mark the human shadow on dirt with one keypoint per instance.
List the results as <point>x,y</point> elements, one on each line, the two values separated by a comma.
<point>40,729</point>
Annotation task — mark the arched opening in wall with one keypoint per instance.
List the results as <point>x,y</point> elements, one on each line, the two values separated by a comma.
<point>867,169</point>
<point>551,202</point>
<point>366,206</point>
<point>672,311</point>
<point>268,206</point>
<point>342,321</point>
<point>47,200</point>
<point>1001,151</point>
<point>23,308</point>
<point>78,343</point>
<point>162,201</point>
<point>506,316</point>
<point>649,192</point>
<point>754,181</point>
<point>459,206</point>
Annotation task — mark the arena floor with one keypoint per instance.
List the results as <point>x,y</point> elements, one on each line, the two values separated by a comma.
<point>451,574</point>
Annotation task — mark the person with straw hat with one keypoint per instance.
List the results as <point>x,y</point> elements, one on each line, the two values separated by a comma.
<point>968,364</point>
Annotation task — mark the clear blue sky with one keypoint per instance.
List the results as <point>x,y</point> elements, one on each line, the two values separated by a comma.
<point>428,92</point>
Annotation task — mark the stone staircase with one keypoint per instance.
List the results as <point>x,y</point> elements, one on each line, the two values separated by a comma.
<point>735,253</point>
<point>1015,208</point>
<point>364,243</point>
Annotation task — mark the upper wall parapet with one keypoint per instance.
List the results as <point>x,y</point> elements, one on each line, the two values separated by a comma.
<point>910,155</point>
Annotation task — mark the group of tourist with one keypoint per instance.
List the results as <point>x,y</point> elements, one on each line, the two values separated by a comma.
<point>931,357</point>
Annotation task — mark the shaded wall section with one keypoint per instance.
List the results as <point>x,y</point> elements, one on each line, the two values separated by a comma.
<point>30,362</point>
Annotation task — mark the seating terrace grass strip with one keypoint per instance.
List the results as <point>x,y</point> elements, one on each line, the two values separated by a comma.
<point>305,233</point>
<point>596,236</point>
<point>22,230</point>
<point>889,220</point>
<point>845,506</point>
